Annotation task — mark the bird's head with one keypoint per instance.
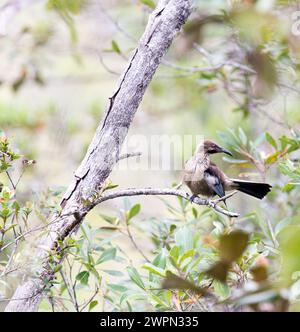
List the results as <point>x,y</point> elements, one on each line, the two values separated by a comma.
<point>210,147</point>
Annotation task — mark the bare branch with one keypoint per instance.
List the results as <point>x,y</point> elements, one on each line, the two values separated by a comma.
<point>129,155</point>
<point>217,67</point>
<point>90,299</point>
<point>173,192</point>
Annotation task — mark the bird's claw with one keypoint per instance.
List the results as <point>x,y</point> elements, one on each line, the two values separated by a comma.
<point>192,198</point>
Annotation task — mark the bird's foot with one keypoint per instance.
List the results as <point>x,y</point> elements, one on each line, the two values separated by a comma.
<point>192,198</point>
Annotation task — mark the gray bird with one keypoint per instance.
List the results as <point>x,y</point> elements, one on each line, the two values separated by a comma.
<point>203,177</point>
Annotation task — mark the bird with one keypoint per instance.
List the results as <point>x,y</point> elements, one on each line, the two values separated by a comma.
<point>203,177</point>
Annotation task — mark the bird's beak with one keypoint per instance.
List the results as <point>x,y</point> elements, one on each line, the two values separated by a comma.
<point>226,151</point>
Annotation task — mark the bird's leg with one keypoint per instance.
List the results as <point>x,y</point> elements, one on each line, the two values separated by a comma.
<point>223,199</point>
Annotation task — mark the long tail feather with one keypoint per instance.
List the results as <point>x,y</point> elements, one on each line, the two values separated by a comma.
<point>255,189</point>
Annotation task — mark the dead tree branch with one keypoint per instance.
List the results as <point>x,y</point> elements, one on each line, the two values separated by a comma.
<point>171,192</point>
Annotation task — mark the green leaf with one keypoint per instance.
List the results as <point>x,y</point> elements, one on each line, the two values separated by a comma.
<point>271,140</point>
<point>184,238</point>
<point>117,288</point>
<point>134,211</point>
<point>233,245</point>
<point>83,277</point>
<point>243,136</point>
<point>135,277</point>
<point>258,297</point>
<point>159,301</point>
<point>273,157</point>
<point>86,231</point>
<point>290,248</point>
<point>109,219</point>
<point>10,227</point>
<point>195,212</point>
<point>111,186</point>
<point>133,296</point>
<point>291,170</point>
<point>115,47</point>
<point>221,289</point>
<point>284,223</point>
<point>161,259</point>
<point>149,3</point>
<point>154,269</point>
<point>294,144</point>
<point>107,255</point>
<point>188,254</point>
<point>242,110</point>
<point>129,306</point>
<point>288,187</point>
<point>114,273</point>
<point>92,305</point>
<point>108,239</point>
<point>73,6</point>
<point>57,268</point>
<point>5,212</point>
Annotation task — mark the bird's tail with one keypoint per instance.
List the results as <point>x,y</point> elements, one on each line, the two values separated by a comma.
<point>256,189</point>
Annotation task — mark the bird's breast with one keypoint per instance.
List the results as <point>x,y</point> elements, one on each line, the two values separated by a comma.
<point>200,188</point>
<point>194,176</point>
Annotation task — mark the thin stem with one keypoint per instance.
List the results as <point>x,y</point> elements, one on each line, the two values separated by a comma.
<point>64,278</point>
<point>90,299</point>
<point>10,180</point>
<point>135,244</point>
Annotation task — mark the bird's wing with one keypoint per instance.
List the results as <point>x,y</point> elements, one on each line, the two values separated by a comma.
<point>214,180</point>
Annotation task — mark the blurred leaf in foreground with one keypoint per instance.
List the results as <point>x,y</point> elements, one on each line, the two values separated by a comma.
<point>290,246</point>
<point>233,245</point>
<point>173,281</point>
<point>149,3</point>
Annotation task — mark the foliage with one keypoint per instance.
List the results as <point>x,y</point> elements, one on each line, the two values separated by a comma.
<point>234,71</point>
<point>14,216</point>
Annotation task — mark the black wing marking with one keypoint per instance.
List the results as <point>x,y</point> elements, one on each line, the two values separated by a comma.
<point>213,181</point>
<point>219,190</point>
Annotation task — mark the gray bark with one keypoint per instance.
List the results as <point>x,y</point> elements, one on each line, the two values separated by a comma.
<point>171,192</point>
<point>165,21</point>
